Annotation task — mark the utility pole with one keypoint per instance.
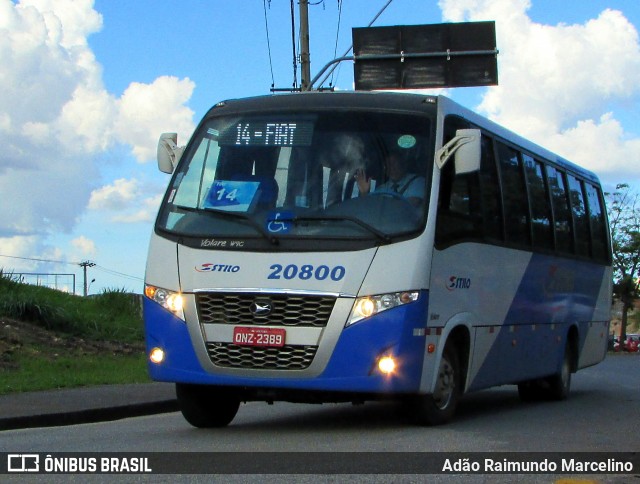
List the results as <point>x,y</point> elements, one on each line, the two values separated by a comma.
<point>84,266</point>
<point>305,61</point>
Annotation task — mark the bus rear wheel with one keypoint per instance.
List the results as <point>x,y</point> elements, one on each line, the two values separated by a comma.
<point>554,387</point>
<point>440,406</point>
<point>560,383</point>
<point>206,406</point>
<point>531,390</point>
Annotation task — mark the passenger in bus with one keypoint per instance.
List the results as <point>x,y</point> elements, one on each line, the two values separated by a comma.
<point>400,181</point>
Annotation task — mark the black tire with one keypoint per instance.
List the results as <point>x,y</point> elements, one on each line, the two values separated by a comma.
<point>206,406</point>
<point>559,385</point>
<point>530,391</point>
<point>440,406</point>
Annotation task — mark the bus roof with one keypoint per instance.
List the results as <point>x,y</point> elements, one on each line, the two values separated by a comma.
<point>385,100</point>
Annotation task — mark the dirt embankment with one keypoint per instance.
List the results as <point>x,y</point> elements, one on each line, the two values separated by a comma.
<point>22,337</point>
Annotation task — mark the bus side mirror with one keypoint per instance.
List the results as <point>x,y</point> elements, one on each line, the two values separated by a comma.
<point>466,148</point>
<point>169,152</point>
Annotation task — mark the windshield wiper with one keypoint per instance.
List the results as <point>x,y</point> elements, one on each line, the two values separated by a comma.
<point>239,216</point>
<point>382,236</point>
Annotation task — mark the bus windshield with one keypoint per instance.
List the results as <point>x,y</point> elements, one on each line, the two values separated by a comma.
<point>314,175</point>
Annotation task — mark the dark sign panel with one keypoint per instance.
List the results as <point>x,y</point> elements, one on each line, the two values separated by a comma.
<point>425,56</point>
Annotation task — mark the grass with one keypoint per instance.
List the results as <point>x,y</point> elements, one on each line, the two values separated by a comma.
<point>34,374</point>
<point>51,339</point>
<point>113,315</point>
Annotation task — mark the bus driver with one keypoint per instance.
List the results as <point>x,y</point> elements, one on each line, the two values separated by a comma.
<point>409,185</point>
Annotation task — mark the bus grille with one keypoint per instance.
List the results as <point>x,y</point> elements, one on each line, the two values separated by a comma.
<point>287,309</point>
<point>287,357</point>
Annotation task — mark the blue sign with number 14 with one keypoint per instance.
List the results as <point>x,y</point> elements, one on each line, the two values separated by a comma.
<point>231,195</point>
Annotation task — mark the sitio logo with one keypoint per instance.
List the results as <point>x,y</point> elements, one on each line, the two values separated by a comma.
<point>456,282</point>
<point>210,267</point>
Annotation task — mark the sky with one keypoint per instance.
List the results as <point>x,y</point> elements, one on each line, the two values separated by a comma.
<point>87,86</point>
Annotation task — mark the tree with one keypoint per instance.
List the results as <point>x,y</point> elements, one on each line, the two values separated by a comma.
<point>624,220</point>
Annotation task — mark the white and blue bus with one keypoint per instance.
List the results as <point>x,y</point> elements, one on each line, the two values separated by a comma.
<point>347,247</point>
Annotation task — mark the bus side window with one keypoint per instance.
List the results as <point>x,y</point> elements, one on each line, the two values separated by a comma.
<point>469,204</point>
<point>459,216</point>
<point>490,193</point>
<point>514,196</point>
<point>580,220</point>
<point>598,224</point>
<point>561,212</point>
<point>539,203</point>
<point>458,211</point>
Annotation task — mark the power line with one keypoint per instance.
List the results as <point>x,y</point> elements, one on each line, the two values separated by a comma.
<point>81,264</point>
<point>293,41</point>
<point>335,49</point>
<point>351,46</point>
<point>266,25</point>
<point>116,273</point>
<point>40,260</point>
<point>84,266</point>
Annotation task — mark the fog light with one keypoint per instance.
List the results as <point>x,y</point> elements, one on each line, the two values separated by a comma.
<point>387,365</point>
<point>156,355</point>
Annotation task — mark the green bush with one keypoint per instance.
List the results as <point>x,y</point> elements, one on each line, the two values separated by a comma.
<point>113,315</point>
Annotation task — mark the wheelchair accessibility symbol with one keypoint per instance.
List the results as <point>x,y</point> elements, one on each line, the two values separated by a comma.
<point>279,222</point>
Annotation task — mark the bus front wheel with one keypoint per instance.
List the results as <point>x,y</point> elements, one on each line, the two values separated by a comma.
<point>205,406</point>
<point>440,406</point>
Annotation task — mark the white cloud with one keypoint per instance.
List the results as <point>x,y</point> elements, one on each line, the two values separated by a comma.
<point>57,118</point>
<point>116,196</point>
<point>17,246</point>
<point>558,81</point>
<point>18,255</point>
<point>85,246</point>
<point>148,208</point>
<point>143,113</point>
<point>68,22</point>
<point>604,144</point>
<point>84,125</point>
<point>127,201</point>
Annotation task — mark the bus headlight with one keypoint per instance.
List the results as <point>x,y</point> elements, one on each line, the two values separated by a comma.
<point>365,307</point>
<point>170,300</point>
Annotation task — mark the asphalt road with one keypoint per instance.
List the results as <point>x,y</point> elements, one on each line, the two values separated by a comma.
<point>601,415</point>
